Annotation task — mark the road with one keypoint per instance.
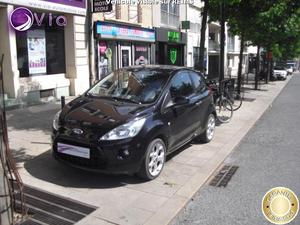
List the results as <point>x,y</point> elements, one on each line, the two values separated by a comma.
<point>268,157</point>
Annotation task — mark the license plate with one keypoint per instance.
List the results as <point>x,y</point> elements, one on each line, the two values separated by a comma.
<point>73,150</point>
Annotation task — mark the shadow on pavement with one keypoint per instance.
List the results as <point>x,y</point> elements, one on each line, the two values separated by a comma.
<point>20,156</point>
<point>46,168</point>
<point>33,118</point>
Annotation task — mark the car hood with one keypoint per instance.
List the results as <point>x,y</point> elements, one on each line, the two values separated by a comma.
<point>99,114</point>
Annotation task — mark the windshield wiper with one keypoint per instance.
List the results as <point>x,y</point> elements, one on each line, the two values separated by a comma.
<point>114,98</point>
<point>125,99</point>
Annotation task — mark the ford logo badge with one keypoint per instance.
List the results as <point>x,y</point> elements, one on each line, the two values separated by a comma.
<point>77,131</point>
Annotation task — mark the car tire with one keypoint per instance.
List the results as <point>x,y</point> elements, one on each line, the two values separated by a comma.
<point>210,126</point>
<point>154,160</point>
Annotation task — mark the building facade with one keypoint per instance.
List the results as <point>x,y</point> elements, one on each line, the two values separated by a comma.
<point>50,58</point>
<point>192,14</point>
<point>233,52</point>
<point>123,37</point>
<point>171,41</point>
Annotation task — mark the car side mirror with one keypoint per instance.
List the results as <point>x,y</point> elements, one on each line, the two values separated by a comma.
<point>181,101</point>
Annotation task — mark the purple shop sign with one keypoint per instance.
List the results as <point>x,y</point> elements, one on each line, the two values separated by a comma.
<point>21,19</point>
<point>75,3</point>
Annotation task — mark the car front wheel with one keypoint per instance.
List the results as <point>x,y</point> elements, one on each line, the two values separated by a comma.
<point>154,160</point>
<point>209,132</point>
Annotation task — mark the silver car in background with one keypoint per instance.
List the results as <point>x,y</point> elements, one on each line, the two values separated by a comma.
<point>280,72</point>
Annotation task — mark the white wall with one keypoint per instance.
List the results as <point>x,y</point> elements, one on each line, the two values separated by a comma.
<point>8,48</point>
<point>193,15</point>
<point>77,54</point>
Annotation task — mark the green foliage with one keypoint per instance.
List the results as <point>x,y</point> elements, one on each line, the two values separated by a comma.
<point>272,24</point>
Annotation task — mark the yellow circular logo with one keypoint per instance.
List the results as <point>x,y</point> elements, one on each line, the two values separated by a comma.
<point>280,205</point>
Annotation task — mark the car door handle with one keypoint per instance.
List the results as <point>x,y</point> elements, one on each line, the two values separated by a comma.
<point>198,103</point>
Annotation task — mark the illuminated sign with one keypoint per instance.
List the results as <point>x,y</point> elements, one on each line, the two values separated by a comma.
<point>173,55</point>
<point>173,36</point>
<point>102,6</point>
<point>21,19</point>
<point>115,31</point>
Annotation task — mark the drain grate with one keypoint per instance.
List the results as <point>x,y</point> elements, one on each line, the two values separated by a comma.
<point>224,176</point>
<point>49,209</point>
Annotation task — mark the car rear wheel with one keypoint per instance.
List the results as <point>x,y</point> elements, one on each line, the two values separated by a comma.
<point>209,132</point>
<point>154,160</point>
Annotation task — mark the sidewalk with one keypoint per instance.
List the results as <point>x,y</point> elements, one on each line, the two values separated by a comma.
<point>125,199</point>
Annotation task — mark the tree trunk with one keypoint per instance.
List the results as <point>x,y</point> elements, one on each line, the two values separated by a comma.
<point>268,66</point>
<point>202,34</point>
<point>239,78</point>
<point>257,69</point>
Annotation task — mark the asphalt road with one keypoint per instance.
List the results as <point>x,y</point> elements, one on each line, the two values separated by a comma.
<point>268,157</point>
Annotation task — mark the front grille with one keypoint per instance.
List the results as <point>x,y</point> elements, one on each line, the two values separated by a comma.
<point>92,163</point>
<point>96,161</point>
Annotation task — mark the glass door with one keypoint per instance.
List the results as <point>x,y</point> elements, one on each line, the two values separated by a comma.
<point>125,56</point>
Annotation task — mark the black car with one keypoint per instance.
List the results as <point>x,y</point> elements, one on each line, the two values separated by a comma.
<point>130,120</point>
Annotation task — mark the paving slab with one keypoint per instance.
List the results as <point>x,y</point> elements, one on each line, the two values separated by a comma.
<point>124,199</point>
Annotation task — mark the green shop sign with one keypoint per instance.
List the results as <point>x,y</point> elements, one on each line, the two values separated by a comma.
<point>173,55</point>
<point>173,36</point>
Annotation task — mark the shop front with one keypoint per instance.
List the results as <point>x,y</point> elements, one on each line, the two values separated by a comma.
<point>119,45</point>
<point>40,61</point>
<point>170,47</point>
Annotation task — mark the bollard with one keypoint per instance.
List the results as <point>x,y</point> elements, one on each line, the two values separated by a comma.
<point>62,101</point>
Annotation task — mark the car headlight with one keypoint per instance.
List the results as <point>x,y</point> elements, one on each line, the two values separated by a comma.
<point>127,130</point>
<point>56,119</point>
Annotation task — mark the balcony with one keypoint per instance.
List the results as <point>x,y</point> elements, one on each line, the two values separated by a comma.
<point>230,47</point>
<point>213,46</point>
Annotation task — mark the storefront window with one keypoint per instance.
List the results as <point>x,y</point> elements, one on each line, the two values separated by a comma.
<point>141,55</point>
<point>41,51</point>
<point>106,53</point>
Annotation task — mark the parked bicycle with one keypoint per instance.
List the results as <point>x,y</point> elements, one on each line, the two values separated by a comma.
<point>223,105</point>
<point>231,94</point>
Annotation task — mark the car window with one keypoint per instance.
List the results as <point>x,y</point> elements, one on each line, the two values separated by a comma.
<point>198,82</point>
<point>181,85</point>
<point>278,68</point>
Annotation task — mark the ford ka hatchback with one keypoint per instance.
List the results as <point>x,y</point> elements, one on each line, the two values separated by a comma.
<point>130,120</point>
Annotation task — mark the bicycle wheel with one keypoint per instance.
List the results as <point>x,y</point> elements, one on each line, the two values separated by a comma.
<point>224,110</point>
<point>236,101</point>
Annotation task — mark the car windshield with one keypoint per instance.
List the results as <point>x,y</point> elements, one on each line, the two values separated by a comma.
<point>140,86</point>
<point>278,68</point>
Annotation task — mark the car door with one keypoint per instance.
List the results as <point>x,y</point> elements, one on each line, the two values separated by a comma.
<point>201,101</point>
<point>178,117</point>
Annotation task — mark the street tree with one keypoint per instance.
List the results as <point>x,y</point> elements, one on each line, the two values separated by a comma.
<point>202,34</point>
<point>270,24</point>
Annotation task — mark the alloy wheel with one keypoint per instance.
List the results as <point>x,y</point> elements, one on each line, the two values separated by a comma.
<point>210,130</point>
<point>156,158</point>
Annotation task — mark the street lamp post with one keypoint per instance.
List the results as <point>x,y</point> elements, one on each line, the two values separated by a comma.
<point>222,44</point>
<point>90,41</point>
